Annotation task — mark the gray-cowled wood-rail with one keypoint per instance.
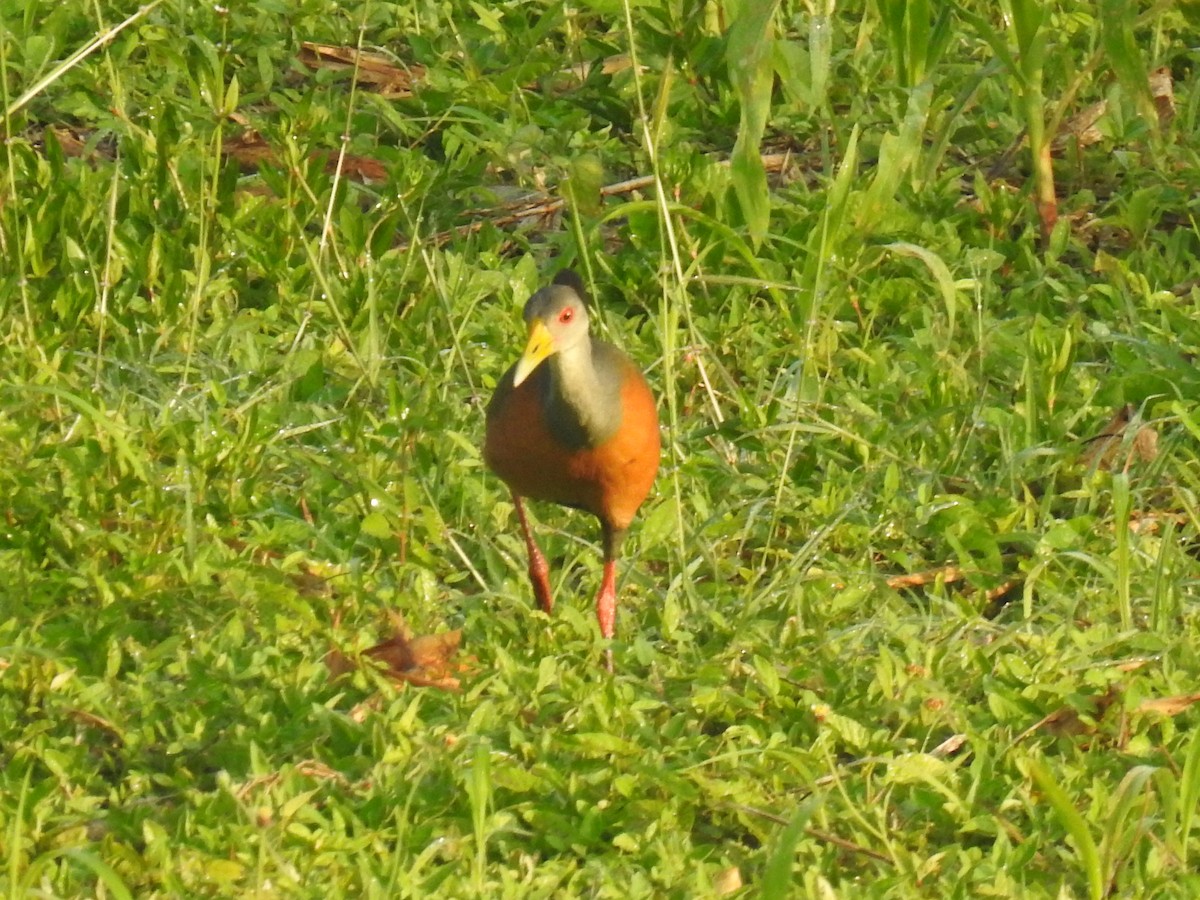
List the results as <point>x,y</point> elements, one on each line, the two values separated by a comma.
<point>573,422</point>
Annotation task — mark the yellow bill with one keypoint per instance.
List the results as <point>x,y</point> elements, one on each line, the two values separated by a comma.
<point>539,346</point>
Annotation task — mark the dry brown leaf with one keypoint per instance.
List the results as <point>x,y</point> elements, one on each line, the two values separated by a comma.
<point>994,598</point>
<point>424,661</point>
<point>1081,127</point>
<point>72,142</point>
<point>1063,722</point>
<point>1145,444</point>
<point>1152,523</point>
<point>1168,706</point>
<point>610,65</point>
<point>1000,591</point>
<point>374,70</point>
<point>359,713</point>
<point>248,150</point>
<point>727,881</point>
<point>1162,91</point>
<point>402,653</point>
<point>314,768</point>
<point>949,746</point>
<point>359,168</point>
<point>1105,448</point>
<point>98,722</point>
<point>998,597</point>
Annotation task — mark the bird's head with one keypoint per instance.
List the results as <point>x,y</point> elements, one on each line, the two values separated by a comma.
<point>557,319</point>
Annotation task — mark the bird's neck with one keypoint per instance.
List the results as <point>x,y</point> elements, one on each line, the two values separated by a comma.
<point>583,403</point>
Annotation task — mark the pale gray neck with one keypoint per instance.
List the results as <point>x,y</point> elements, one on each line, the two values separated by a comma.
<point>583,405</point>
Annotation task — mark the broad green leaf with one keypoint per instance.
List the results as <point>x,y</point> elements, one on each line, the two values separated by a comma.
<point>820,50</point>
<point>750,186</point>
<point>377,526</point>
<point>898,153</point>
<point>582,187</point>
<point>1117,19</point>
<point>749,52</point>
<point>839,191</point>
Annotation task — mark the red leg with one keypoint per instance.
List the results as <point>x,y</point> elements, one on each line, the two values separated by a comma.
<point>539,569</point>
<point>606,607</point>
<point>606,599</point>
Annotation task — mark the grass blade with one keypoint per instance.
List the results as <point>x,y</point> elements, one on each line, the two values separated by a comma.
<point>940,272</point>
<point>77,57</point>
<point>1069,817</point>
<point>1121,510</point>
<point>1118,836</point>
<point>1189,791</point>
<point>777,878</point>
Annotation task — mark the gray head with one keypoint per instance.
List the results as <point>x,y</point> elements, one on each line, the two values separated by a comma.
<point>557,319</point>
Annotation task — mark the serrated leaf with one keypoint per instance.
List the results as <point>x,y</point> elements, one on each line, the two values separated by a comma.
<point>376,525</point>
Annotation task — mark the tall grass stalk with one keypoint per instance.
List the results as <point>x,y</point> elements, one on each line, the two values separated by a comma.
<point>1121,511</point>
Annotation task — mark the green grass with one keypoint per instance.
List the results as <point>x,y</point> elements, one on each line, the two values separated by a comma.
<point>241,405</point>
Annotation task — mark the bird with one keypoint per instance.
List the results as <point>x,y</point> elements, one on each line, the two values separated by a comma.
<point>573,422</point>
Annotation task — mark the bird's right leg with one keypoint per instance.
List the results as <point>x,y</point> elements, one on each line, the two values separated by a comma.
<point>539,569</point>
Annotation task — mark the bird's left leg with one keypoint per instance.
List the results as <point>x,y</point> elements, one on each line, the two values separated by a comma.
<point>606,599</point>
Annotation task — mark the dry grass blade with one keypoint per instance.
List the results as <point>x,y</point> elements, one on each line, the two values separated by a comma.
<point>944,574</point>
<point>1168,706</point>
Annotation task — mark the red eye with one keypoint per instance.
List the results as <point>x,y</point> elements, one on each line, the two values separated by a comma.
<point>566,315</point>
